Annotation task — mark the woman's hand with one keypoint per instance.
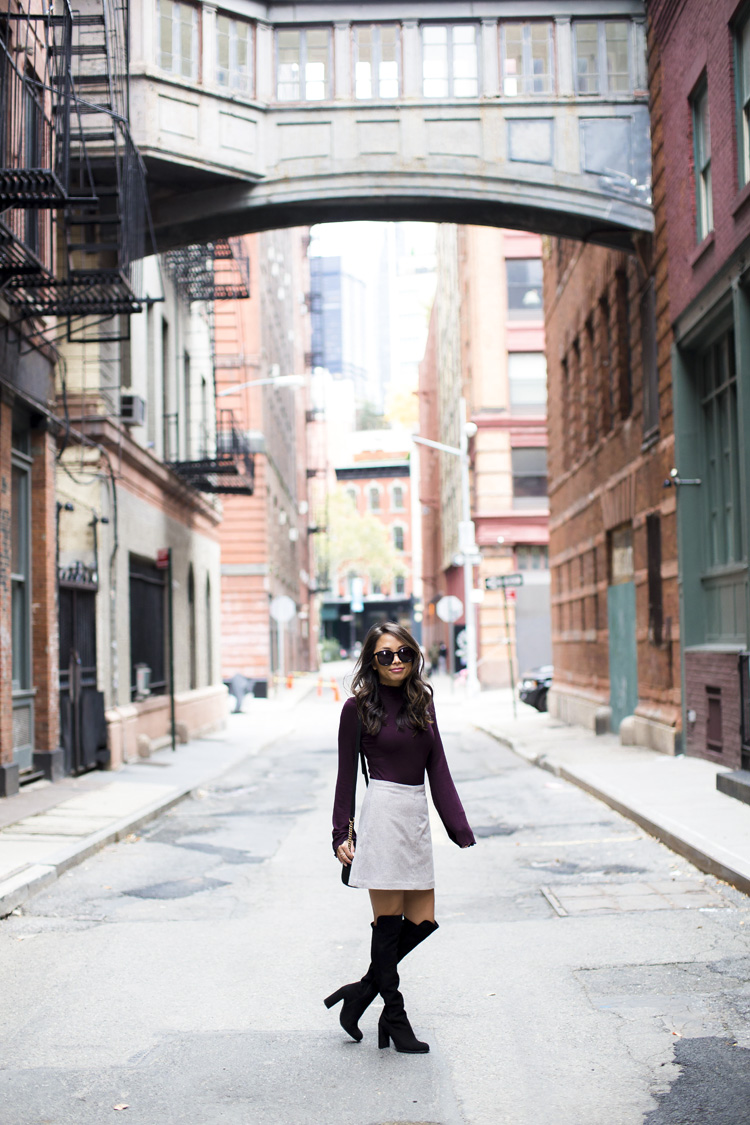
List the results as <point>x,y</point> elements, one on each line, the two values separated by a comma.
<point>345,853</point>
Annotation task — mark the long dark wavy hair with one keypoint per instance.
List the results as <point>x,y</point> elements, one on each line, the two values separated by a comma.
<point>365,685</point>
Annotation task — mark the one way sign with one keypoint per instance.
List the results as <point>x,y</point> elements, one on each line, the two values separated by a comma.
<point>503,581</point>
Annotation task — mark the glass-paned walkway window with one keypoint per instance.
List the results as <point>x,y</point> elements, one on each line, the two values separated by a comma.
<point>178,38</point>
<point>303,64</point>
<point>704,207</point>
<point>450,66</point>
<point>234,54</point>
<point>376,53</point>
<point>524,277</point>
<point>527,58</point>
<point>527,382</point>
<point>529,468</point>
<point>742,80</point>
<point>603,64</point>
<point>718,389</point>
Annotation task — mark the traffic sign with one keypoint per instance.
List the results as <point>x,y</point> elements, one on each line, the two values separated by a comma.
<point>282,608</point>
<point>503,581</point>
<point>449,608</point>
<point>162,558</point>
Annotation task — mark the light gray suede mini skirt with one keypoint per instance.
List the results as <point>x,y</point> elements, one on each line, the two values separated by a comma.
<point>394,845</point>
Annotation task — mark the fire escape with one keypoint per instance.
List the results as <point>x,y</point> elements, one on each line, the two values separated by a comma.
<point>65,144</point>
<point>224,462</point>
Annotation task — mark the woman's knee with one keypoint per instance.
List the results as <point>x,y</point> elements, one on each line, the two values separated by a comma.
<point>419,906</point>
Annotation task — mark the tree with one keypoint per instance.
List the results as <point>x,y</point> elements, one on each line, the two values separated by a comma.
<point>356,543</point>
<point>369,419</point>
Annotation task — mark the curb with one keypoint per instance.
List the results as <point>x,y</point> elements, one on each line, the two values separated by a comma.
<point>698,856</point>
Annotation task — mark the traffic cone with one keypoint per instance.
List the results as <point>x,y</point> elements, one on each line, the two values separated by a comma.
<point>320,686</point>
<point>336,693</point>
<point>289,681</point>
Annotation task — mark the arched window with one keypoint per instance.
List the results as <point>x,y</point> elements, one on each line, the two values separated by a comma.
<point>398,537</point>
<point>373,498</point>
<point>397,498</point>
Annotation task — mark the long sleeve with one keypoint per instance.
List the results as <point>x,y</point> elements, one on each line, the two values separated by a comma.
<point>342,802</point>
<point>444,795</point>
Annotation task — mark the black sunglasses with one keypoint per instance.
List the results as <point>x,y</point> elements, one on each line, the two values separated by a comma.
<point>405,654</point>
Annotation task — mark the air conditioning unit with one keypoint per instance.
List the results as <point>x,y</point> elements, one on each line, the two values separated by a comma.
<point>133,410</point>
<point>142,681</point>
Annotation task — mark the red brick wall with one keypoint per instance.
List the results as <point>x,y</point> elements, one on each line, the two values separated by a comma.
<point>6,656</point>
<point>692,41</point>
<point>718,670</point>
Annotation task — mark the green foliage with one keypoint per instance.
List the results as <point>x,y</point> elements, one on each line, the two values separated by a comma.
<point>329,649</point>
<point>356,543</point>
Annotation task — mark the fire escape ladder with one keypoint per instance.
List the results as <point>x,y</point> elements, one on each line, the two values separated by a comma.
<point>224,462</point>
<point>98,281</point>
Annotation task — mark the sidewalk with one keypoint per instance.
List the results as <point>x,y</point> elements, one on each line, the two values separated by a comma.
<point>673,798</point>
<point>48,828</point>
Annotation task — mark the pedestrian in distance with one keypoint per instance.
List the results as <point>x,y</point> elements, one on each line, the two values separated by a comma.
<point>391,854</point>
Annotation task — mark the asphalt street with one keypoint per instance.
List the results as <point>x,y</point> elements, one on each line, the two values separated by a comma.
<point>582,974</point>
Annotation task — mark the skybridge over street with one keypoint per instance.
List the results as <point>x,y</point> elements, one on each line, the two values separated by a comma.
<point>517,113</point>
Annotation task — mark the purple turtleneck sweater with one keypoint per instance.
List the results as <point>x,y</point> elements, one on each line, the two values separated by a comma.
<point>397,755</point>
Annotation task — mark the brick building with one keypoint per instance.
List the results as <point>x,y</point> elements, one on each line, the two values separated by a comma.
<point>486,344</point>
<point>265,546</point>
<point>613,549</point>
<point>699,67</point>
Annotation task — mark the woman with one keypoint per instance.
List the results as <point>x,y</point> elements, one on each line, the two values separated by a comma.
<point>393,854</point>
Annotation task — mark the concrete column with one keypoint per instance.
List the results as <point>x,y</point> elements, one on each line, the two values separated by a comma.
<point>490,60</point>
<point>8,772</point>
<point>412,59</point>
<point>564,40</point>
<point>48,755</point>
<point>639,47</point>
<point>208,61</point>
<point>342,62</point>
<point>264,63</point>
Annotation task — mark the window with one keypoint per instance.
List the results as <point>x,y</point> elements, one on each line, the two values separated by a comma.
<point>449,61</point>
<point>178,38</point>
<point>714,740</point>
<point>302,64</point>
<point>653,562</point>
<point>704,207</point>
<point>20,562</point>
<point>527,379</point>
<point>527,58</point>
<point>524,277</point>
<point>375,586</point>
<point>398,537</point>
<point>373,499</point>
<point>532,558</point>
<point>603,57</point>
<point>397,498</point>
<point>621,555</point>
<point>399,586</point>
<point>147,632</point>
<point>649,362</point>
<point>742,83</point>
<point>192,646</point>
<point>718,388</point>
<point>529,467</point>
<point>376,61</point>
<point>234,54</point>
<point>352,494</point>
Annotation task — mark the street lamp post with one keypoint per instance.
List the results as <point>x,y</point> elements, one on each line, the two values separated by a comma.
<point>278,381</point>
<point>467,545</point>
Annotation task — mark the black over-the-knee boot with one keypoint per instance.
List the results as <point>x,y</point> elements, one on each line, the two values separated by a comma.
<point>358,996</point>
<point>394,1023</point>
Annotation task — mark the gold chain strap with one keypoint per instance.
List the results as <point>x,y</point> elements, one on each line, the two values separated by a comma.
<point>351,831</point>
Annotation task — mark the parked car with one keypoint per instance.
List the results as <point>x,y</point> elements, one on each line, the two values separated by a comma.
<point>535,685</point>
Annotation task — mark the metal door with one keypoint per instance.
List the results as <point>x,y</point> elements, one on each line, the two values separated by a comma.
<point>623,652</point>
<point>83,730</point>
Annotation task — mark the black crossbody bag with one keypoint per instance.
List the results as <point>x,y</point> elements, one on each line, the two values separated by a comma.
<point>346,868</point>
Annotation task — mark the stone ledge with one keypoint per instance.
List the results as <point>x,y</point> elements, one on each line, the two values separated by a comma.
<point>735,784</point>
